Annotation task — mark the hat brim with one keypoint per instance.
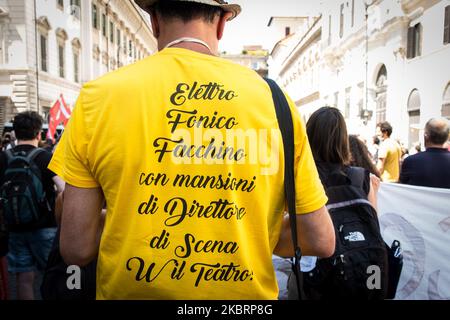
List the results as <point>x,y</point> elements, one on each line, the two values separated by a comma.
<point>235,9</point>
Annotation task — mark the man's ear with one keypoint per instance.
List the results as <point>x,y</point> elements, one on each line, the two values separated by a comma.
<point>155,23</point>
<point>221,26</point>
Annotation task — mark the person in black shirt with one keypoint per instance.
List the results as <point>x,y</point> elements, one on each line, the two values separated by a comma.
<point>432,167</point>
<point>29,245</point>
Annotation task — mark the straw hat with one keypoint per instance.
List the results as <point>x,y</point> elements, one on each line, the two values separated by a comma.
<point>235,9</point>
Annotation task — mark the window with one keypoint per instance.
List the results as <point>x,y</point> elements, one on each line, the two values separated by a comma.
<point>446,103</point>
<point>336,100</point>
<point>104,24</point>
<point>329,29</point>
<point>381,94</point>
<point>360,97</point>
<point>347,102</point>
<point>75,8</point>
<point>414,117</point>
<point>353,13</point>
<point>76,67</point>
<point>341,22</point>
<point>124,44</point>
<point>287,31</point>
<point>2,44</point>
<point>447,25</point>
<point>130,49</point>
<point>414,41</point>
<point>61,61</point>
<point>111,32</point>
<point>42,42</point>
<point>60,4</point>
<point>94,16</point>
<point>119,36</point>
<point>44,57</point>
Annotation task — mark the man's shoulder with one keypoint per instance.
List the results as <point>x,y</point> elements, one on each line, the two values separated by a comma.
<point>122,76</point>
<point>417,158</point>
<point>45,154</point>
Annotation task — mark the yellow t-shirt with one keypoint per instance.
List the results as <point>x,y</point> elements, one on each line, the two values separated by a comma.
<point>187,150</point>
<point>392,153</point>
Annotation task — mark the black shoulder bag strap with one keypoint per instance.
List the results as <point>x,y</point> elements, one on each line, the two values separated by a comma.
<point>357,176</point>
<point>34,154</point>
<point>9,156</point>
<point>286,125</point>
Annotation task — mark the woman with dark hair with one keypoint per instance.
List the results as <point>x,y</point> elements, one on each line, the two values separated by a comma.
<point>360,155</point>
<point>327,134</point>
<point>352,207</point>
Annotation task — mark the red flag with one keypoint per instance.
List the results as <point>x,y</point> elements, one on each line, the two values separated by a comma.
<point>65,111</point>
<point>59,112</point>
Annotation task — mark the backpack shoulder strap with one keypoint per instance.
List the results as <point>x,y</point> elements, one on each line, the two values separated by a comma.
<point>357,176</point>
<point>286,126</point>
<point>333,175</point>
<point>9,156</point>
<point>34,153</point>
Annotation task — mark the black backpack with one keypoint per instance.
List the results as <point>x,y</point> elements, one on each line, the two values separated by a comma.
<point>22,193</point>
<point>360,249</point>
<point>55,277</point>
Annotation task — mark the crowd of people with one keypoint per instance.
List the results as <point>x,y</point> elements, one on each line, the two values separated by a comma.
<point>390,161</point>
<point>68,190</point>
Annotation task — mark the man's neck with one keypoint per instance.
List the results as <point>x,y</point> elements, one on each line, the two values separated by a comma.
<point>196,30</point>
<point>34,143</point>
<point>197,47</point>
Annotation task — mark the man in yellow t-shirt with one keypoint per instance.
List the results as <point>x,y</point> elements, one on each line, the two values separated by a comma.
<point>194,196</point>
<point>389,154</point>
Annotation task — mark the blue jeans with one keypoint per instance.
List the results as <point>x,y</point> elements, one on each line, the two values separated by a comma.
<point>28,251</point>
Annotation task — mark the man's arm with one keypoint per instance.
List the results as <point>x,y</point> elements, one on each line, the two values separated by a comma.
<point>80,224</point>
<point>59,183</point>
<point>380,165</point>
<point>373,191</point>
<point>315,235</point>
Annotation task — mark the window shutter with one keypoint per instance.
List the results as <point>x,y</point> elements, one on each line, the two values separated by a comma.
<point>417,40</point>
<point>411,38</point>
<point>447,25</point>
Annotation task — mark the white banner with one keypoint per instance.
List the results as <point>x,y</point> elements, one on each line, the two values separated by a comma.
<point>420,219</point>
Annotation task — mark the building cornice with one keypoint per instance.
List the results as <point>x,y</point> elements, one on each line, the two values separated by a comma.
<point>313,33</point>
<point>333,54</point>
<point>408,6</point>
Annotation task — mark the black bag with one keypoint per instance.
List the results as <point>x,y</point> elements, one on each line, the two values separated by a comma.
<point>54,282</point>
<point>286,125</point>
<point>395,260</point>
<point>22,193</point>
<point>360,249</point>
